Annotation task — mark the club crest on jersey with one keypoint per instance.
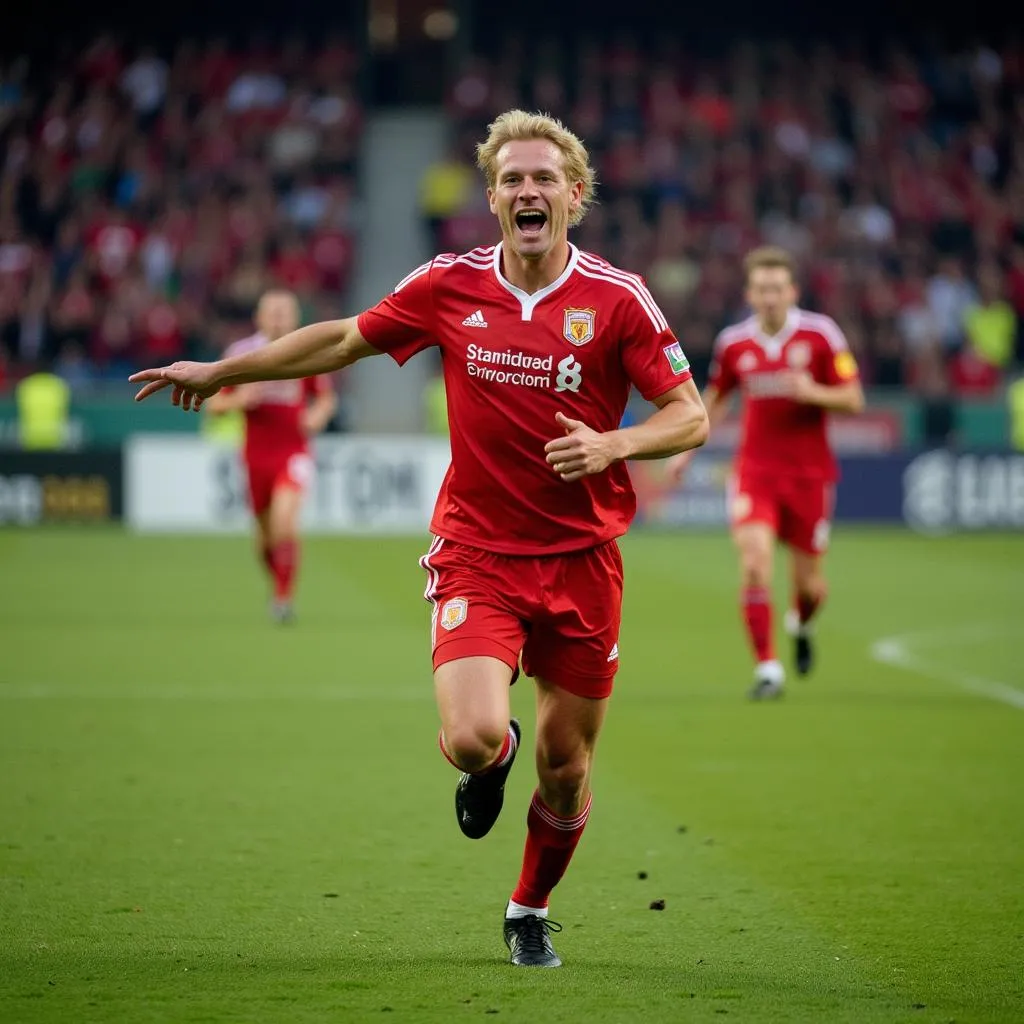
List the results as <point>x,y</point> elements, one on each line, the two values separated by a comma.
<point>578,326</point>
<point>798,354</point>
<point>453,613</point>
<point>746,362</point>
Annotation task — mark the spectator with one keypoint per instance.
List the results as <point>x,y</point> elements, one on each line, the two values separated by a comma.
<point>1015,398</point>
<point>145,83</point>
<point>990,324</point>
<point>446,191</point>
<point>43,401</point>
<point>949,295</point>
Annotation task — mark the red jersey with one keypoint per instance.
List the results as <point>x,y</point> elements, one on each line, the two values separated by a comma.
<point>273,427</point>
<point>511,361</point>
<point>779,435</point>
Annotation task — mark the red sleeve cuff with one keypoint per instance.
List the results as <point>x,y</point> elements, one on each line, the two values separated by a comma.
<point>665,387</point>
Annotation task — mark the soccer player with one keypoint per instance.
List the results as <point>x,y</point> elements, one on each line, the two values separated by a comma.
<point>792,368</point>
<point>540,345</point>
<point>280,417</point>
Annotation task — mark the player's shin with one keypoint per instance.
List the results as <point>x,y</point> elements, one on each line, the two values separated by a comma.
<point>551,841</point>
<point>284,565</point>
<point>808,603</point>
<point>757,617</point>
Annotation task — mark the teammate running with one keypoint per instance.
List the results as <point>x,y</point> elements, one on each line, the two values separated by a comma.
<point>792,368</point>
<point>280,417</point>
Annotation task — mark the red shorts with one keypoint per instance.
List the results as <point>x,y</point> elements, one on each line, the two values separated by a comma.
<point>561,612</point>
<point>798,509</point>
<point>267,473</point>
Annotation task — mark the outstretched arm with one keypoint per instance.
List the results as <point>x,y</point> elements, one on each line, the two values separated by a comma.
<point>318,348</point>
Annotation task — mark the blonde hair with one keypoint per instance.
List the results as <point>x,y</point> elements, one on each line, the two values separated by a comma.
<point>770,257</point>
<point>522,126</point>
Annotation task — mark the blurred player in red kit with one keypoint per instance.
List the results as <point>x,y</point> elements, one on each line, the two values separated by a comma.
<point>280,417</point>
<point>792,368</point>
<point>541,344</point>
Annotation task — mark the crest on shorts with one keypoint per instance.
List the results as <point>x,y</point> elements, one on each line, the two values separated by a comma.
<point>578,325</point>
<point>453,613</point>
<point>798,354</point>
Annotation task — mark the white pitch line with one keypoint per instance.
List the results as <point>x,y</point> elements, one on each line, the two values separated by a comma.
<point>897,651</point>
<point>63,691</point>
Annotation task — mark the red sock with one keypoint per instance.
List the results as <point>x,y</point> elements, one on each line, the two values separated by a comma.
<point>550,844</point>
<point>284,560</point>
<point>757,614</point>
<point>508,748</point>
<point>807,605</point>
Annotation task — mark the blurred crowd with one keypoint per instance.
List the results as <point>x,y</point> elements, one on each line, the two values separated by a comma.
<point>147,199</point>
<point>897,180</point>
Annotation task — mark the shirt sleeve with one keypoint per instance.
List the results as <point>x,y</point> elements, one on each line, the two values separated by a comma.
<point>653,358</point>
<point>402,324</point>
<point>837,363</point>
<point>722,374</point>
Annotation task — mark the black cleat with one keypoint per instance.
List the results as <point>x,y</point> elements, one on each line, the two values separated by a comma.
<point>765,689</point>
<point>803,647</point>
<point>803,654</point>
<point>529,943</point>
<point>478,798</point>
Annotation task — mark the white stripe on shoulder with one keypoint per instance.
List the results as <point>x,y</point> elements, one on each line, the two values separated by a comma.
<point>636,289</point>
<point>470,260</point>
<point>424,268</point>
<point>597,263</point>
<point>825,326</point>
<point>737,332</point>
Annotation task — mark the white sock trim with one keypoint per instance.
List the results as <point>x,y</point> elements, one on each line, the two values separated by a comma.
<point>794,627</point>
<point>770,670</point>
<point>514,910</point>
<point>512,747</point>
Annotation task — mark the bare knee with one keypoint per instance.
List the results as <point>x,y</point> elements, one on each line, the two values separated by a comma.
<point>812,587</point>
<point>564,781</point>
<point>474,746</point>
<point>755,569</point>
<point>281,531</point>
<point>808,577</point>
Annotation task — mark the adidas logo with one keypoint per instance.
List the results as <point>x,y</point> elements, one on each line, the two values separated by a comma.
<point>475,320</point>
<point>614,653</point>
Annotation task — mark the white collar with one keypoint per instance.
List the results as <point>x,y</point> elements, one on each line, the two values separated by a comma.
<point>774,342</point>
<point>527,301</point>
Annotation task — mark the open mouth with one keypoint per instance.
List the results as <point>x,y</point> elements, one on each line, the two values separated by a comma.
<point>531,222</point>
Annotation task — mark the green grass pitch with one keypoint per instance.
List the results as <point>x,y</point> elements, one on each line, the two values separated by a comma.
<point>205,818</point>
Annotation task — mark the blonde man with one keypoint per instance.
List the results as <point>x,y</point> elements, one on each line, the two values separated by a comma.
<point>541,344</point>
<point>792,368</point>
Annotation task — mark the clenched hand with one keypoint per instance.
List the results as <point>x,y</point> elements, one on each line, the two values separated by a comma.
<point>582,452</point>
